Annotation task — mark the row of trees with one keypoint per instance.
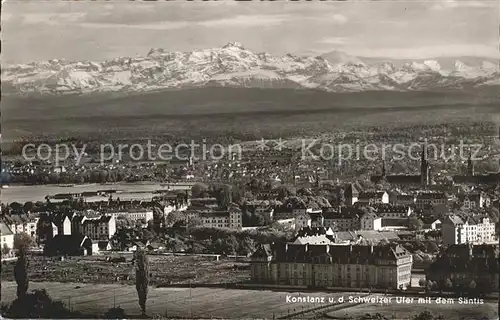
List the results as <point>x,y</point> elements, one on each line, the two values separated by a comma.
<point>448,286</point>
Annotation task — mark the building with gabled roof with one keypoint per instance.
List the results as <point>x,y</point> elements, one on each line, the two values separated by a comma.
<point>373,198</point>
<point>467,229</point>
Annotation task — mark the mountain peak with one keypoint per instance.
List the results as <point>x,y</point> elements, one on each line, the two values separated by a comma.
<point>234,44</point>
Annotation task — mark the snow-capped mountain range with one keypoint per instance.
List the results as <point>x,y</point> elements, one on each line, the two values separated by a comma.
<point>234,66</point>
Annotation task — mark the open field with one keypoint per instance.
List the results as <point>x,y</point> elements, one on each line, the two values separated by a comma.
<point>232,303</point>
<point>240,113</point>
<point>164,269</point>
<point>175,302</point>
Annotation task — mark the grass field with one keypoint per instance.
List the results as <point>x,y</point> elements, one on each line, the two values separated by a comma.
<point>175,302</point>
<point>234,304</point>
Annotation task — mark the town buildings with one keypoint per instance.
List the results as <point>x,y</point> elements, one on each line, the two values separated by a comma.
<point>470,229</point>
<point>464,263</point>
<point>422,180</point>
<point>324,266</point>
<point>22,223</point>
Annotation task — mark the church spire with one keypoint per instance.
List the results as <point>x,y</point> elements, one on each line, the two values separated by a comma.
<point>424,167</point>
<point>470,166</point>
<point>384,172</point>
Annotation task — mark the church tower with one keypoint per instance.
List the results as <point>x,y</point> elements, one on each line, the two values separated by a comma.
<point>470,167</point>
<point>384,172</point>
<point>424,168</point>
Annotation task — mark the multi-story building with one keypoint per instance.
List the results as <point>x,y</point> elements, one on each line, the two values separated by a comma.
<point>474,200</point>
<point>102,228</point>
<point>472,229</point>
<point>462,264</point>
<point>405,200</point>
<point>232,218</point>
<point>372,198</point>
<point>135,214</point>
<point>345,220</point>
<point>332,266</point>
<point>428,199</point>
<point>393,211</point>
<point>302,220</point>
<point>22,223</point>
<point>370,221</point>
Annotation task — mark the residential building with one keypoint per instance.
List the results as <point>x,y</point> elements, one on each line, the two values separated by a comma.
<point>405,200</point>
<point>134,214</point>
<point>102,228</point>
<point>471,229</point>
<point>372,198</point>
<point>393,211</point>
<point>464,263</point>
<point>231,218</point>
<point>7,237</point>
<point>302,220</point>
<point>346,219</point>
<point>22,223</point>
<point>370,221</point>
<point>326,266</point>
<point>430,199</point>
<point>474,200</point>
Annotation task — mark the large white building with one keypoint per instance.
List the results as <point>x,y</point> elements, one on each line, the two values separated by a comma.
<point>135,214</point>
<point>232,218</point>
<point>473,229</point>
<point>327,266</point>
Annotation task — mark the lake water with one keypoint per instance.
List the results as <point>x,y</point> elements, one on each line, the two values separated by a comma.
<point>23,194</point>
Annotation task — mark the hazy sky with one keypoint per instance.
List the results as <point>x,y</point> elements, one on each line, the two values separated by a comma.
<point>84,30</point>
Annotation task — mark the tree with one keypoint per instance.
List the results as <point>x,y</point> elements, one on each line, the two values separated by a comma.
<point>198,189</point>
<point>5,250</point>
<point>21,273</point>
<point>448,284</point>
<point>38,304</point>
<point>429,285</point>
<point>422,282</point>
<point>115,313</point>
<point>142,278</point>
<point>22,240</point>
<point>173,217</point>
<point>472,286</point>
<point>432,247</point>
<point>415,223</point>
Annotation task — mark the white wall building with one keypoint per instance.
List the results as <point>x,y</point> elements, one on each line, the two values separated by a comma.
<point>474,229</point>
